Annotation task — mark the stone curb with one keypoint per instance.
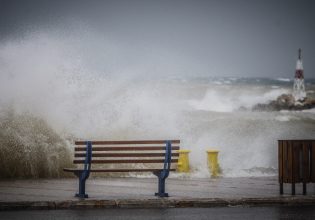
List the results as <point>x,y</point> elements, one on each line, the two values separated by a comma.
<point>156,203</point>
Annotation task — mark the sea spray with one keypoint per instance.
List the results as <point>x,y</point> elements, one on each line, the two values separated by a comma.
<point>56,91</point>
<point>29,147</point>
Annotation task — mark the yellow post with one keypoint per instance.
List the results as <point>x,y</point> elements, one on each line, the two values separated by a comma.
<point>183,161</point>
<point>213,162</point>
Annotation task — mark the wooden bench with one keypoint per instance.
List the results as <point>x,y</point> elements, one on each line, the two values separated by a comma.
<point>156,156</point>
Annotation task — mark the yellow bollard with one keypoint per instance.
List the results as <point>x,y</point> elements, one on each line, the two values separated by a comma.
<point>213,162</point>
<point>183,161</point>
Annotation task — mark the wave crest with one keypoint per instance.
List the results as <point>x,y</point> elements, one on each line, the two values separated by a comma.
<point>30,148</point>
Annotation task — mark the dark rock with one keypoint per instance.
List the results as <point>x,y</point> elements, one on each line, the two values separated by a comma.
<point>285,102</point>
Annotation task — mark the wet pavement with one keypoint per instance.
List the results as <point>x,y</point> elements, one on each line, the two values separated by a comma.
<point>139,192</point>
<point>241,213</point>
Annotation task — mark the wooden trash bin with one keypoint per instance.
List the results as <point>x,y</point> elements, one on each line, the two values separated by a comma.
<point>296,163</point>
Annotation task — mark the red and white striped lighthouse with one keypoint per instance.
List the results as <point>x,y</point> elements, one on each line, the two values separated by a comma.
<point>298,86</point>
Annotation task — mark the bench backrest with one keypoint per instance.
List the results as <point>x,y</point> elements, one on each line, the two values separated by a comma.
<point>126,152</point>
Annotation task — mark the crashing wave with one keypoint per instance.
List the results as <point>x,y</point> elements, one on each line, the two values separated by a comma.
<point>30,148</point>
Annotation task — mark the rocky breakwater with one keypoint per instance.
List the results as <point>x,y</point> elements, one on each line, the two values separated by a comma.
<point>286,102</point>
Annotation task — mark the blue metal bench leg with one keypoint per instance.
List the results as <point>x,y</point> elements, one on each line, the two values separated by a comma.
<point>161,192</point>
<point>163,174</point>
<point>82,178</point>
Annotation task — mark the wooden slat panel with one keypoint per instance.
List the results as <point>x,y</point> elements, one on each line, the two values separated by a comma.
<point>132,148</point>
<point>124,161</point>
<point>306,162</point>
<point>297,153</point>
<point>290,160</point>
<point>313,162</point>
<point>280,160</point>
<point>125,154</point>
<point>127,142</point>
<point>285,161</point>
<point>300,140</point>
<point>116,170</point>
<point>296,161</point>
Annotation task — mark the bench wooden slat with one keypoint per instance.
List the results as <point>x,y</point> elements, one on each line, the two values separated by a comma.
<point>125,155</point>
<point>127,142</point>
<point>115,170</point>
<point>132,148</point>
<point>124,161</point>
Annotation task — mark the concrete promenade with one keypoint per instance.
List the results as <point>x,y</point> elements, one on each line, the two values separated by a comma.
<point>139,193</point>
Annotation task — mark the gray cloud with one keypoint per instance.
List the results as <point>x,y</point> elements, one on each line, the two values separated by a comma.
<point>203,38</point>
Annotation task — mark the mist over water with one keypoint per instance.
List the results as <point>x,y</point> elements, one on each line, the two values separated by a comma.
<point>56,88</point>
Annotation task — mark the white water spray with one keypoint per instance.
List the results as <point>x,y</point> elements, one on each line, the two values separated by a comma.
<point>49,77</point>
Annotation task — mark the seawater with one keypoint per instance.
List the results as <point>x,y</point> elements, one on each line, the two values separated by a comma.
<point>49,101</point>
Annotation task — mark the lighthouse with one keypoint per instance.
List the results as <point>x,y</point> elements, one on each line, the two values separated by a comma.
<point>299,87</point>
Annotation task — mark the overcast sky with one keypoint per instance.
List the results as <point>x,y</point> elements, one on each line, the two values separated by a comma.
<point>177,37</point>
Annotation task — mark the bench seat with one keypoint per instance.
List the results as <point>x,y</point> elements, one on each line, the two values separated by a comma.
<point>115,170</point>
